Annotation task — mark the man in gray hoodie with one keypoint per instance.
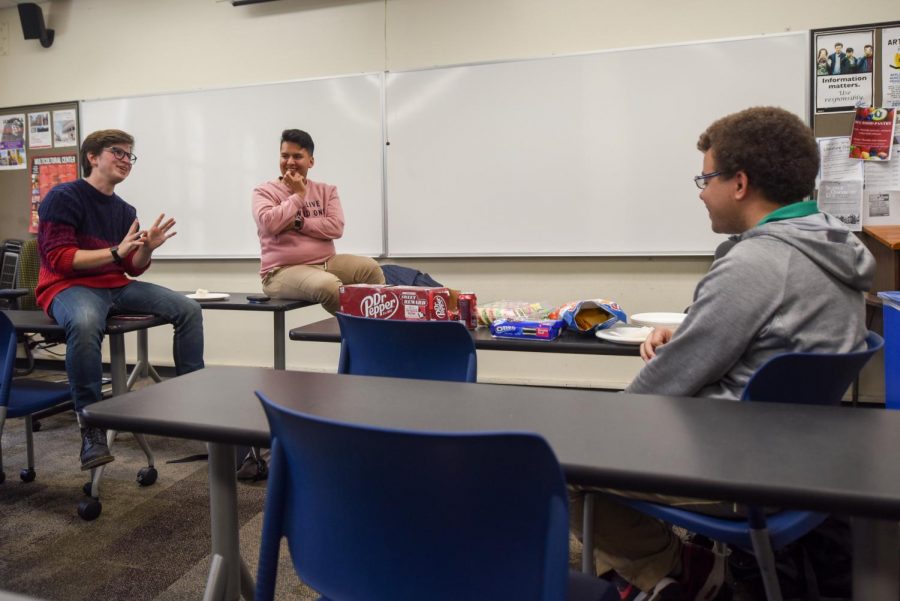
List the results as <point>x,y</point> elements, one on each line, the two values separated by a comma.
<point>792,281</point>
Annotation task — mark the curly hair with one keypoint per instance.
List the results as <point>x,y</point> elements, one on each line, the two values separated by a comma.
<point>776,150</point>
<point>97,141</point>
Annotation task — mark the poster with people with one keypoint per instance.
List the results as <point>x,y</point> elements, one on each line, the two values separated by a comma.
<point>843,64</point>
<point>12,142</point>
<point>890,67</point>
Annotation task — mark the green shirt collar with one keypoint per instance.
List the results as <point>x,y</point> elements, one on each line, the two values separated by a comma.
<point>791,211</point>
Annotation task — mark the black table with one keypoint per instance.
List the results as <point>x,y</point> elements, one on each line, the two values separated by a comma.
<point>327,330</point>
<point>822,458</point>
<point>237,301</point>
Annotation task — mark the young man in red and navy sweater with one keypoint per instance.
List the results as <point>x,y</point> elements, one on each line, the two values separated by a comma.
<point>91,245</point>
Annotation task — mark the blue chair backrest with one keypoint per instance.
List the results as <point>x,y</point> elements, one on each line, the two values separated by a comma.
<point>371,513</point>
<point>424,350</point>
<point>7,357</point>
<point>809,378</point>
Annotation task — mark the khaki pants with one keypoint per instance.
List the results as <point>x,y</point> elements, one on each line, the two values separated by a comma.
<point>642,549</point>
<point>320,283</point>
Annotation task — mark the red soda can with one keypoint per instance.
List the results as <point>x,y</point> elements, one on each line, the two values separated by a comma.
<point>468,311</point>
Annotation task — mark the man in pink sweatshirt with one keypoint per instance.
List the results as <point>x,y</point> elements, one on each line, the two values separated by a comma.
<point>298,221</point>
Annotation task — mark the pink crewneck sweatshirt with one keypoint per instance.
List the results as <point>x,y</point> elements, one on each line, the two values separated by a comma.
<point>274,209</point>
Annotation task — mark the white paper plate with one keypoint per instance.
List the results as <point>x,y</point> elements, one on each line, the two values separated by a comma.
<point>623,334</point>
<point>657,320</point>
<point>209,296</point>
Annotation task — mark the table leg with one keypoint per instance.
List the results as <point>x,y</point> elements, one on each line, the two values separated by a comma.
<point>876,555</point>
<point>278,316</point>
<point>117,367</point>
<point>224,517</point>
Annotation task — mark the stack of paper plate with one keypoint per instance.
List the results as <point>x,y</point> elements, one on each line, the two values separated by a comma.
<point>657,320</point>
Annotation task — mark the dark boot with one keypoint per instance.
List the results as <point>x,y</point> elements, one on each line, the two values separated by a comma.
<point>94,451</point>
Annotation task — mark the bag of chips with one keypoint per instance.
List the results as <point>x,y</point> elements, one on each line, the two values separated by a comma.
<point>504,309</point>
<point>590,315</point>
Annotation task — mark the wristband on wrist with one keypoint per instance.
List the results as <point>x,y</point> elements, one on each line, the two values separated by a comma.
<point>298,222</point>
<point>114,251</point>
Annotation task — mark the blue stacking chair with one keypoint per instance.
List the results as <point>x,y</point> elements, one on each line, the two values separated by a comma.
<point>372,513</point>
<point>22,398</point>
<point>424,350</point>
<point>808,378</point>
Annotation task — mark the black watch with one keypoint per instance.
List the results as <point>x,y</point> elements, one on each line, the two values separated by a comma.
<point>117,258</point>
<point>298,222</point>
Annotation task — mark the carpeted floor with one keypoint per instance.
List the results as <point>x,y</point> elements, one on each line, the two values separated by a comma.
<point>148,543</point>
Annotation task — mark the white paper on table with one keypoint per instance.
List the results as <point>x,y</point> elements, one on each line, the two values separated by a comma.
<point>836,165</point>
<point>843,200</point>
<point>882,207</point>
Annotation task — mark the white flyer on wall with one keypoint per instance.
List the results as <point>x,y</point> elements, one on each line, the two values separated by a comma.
<point>65,128</point>
<point>890,67</point>
<point>39,130</point>
<point>836,165</point>
<point>882,175</point>
<point>843,200</point>
<point>882,208</point>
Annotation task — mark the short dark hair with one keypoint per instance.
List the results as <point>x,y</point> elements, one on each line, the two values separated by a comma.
<point>776,150</point>
<point>97,141</point>
<point>300,138</point>
<point>849,50</point>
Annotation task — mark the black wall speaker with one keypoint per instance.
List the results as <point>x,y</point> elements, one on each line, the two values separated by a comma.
<point>32,18</point>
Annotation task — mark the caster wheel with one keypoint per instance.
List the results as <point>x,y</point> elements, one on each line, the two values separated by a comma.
<point>2,477</point>
<point>147,476</point>
<point>90,509</point>
<point>27,475</point>
<point>262,470</point>
<point>36,426</point>
<point>86,489</point>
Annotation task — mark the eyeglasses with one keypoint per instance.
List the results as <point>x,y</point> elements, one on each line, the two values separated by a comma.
<point>702,180</point>
<point>121,154</point>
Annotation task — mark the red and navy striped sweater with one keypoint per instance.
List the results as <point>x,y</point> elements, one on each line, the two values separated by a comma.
<point>76,216</point>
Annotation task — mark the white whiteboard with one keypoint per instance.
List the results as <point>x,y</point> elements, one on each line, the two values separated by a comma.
<point>202,153</point>
<point>581,155</point>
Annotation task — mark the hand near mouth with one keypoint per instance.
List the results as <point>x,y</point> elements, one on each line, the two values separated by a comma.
<point>296,182</point>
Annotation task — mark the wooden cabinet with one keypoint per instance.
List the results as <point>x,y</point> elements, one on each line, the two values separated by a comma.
<point>883,241</point>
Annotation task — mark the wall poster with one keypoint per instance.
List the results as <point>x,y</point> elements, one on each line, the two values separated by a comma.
<point>47,172</point>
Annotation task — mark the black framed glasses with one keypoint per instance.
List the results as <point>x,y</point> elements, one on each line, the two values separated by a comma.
<point>702,180</point>
<point>121,154</point>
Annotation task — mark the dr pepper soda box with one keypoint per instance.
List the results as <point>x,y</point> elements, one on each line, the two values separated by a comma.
<point>411,303</point>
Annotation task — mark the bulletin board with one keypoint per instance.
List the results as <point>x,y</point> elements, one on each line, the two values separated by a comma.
<point>42,140</point>
<point>856,67</point>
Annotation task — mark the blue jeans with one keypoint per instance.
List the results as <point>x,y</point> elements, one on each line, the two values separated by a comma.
<point>82,311</point>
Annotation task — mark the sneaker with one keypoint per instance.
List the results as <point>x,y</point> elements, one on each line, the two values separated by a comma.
<point>666,589</point>
<point>94,451</point>
<point>703,574</point>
